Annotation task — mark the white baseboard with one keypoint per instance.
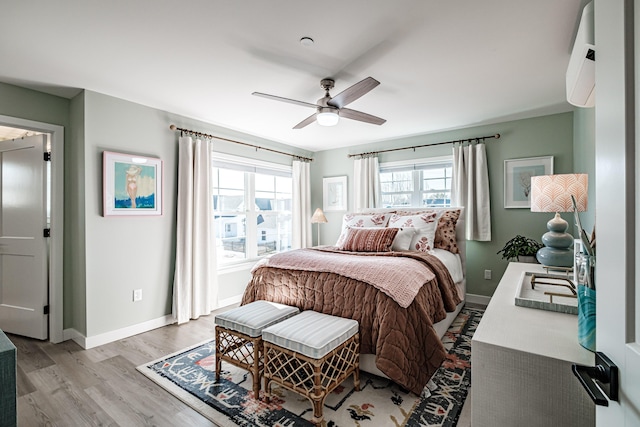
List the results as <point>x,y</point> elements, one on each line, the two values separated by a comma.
<point>107,337</point>
<point>478,299</point>
<point>229,301</point>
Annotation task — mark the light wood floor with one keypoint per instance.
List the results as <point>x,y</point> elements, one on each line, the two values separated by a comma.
<point>65,385</point>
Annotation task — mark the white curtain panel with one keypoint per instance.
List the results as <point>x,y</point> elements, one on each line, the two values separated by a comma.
<point>195,283</point>
<point>301,211</point>
<point>471,189</point>
<point>366,183</point>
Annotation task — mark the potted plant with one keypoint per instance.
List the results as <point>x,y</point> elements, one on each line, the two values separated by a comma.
<point>521,249</point>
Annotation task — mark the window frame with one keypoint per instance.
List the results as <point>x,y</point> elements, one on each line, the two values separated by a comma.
<point>417,166</point>
<point>249,167</point>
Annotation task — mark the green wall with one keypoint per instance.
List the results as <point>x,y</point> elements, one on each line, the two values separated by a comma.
<point>106,258</point>
<point>584,158</point>
<point>127,253</point>
<point>540,136</point>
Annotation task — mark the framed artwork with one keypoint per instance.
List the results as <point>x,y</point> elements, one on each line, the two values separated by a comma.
<point>132,185</point>
<point>517,179</point>
<point>334,194</point>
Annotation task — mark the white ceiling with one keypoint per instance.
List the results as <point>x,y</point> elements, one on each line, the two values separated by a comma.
<point>442,64</point>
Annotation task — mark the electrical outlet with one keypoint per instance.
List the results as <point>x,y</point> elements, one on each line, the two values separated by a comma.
<point>487,274</point>
<point>137,295</point>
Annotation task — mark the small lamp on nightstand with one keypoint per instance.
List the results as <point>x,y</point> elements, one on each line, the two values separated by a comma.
<point>318,218</point>
<point>552,193</point>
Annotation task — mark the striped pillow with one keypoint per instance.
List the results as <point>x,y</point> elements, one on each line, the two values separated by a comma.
<point>369,239</point>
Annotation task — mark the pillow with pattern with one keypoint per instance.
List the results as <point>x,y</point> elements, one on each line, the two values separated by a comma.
<point>446,231</point>
<point>445,237</point>
<point>353,220</point>
<point>375,239</point>
<point>425,225</point>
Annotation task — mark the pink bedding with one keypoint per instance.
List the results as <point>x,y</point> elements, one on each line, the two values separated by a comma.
<point>407,348</point>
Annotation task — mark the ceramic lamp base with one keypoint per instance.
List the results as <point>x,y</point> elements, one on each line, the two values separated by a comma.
<point>555,257</point>
<point>557,251</point>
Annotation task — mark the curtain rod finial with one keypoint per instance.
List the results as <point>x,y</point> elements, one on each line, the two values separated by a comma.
<point>173,127</point>
<point>497,136</point>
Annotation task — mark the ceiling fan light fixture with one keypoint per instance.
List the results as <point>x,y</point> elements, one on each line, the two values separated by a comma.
<point>327,117</point>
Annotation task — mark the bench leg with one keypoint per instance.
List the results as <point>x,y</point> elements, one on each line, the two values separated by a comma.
<point>256,369</point>
<point>319,393</point>
<point>218,355</point>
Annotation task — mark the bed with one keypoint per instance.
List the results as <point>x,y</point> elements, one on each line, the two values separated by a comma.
<point>403,286</point>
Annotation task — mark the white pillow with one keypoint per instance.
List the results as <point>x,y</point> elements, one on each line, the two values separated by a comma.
<point>425,225</point>
<point>402,241</point>
<point>351,220</point>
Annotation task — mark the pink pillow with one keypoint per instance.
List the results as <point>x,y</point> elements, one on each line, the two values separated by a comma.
<point>351,220</point>
<point>369,239</point>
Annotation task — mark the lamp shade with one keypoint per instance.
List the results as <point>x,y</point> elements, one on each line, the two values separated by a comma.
<point>318,217</point>
<point>552,193</point>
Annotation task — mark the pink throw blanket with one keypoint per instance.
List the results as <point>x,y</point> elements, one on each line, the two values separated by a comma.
<point>399,278</point>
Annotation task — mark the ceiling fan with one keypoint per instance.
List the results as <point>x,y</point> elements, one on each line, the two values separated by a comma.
<point>330,109</point>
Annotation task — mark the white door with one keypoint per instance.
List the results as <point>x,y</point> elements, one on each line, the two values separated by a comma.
<point>23,247</point>
<point>618,204</point>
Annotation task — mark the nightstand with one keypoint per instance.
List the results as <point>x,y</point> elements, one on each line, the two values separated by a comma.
<point>521,361</point>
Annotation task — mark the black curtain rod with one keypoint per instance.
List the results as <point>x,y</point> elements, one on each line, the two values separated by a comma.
<point>478,139</point>
<point>205,135</point>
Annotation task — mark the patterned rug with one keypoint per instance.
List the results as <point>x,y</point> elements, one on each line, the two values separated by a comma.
<point>190,375</point>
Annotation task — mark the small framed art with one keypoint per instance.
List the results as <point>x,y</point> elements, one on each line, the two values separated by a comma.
<point>132,185</point>
<point>334,194</point>
<point>517,179</point>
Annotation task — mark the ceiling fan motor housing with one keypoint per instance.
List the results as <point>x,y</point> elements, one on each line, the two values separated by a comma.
<point>327,84</point>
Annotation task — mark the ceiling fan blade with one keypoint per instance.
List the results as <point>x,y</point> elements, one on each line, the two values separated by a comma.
<point>354,92</point>
<point>305,122</point>
<point>348,113</point>
<point>290,101</point>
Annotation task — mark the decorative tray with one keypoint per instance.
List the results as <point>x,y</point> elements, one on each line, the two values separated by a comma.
<point>552,292</point>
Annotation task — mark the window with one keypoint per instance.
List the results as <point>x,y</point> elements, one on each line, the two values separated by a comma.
<point>252,208</point>
<point>416,183</point>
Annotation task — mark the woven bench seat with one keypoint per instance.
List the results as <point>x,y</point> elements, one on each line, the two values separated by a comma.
<point>239,336</point>
<point>311,354</point>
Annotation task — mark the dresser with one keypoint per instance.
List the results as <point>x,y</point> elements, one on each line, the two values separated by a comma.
<point>8,391</point>
<point>521,363</point>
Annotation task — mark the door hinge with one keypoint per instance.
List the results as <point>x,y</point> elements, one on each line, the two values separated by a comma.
<point>47,156</point>
<point>46,232</point>
<point>46,309</point>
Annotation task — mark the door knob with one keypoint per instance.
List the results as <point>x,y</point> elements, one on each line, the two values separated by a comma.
<point>598,379</point>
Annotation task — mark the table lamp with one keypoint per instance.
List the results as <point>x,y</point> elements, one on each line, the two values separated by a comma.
<point>552,193</point>
<point>317,218</point>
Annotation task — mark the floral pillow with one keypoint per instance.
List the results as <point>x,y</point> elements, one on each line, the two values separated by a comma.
<point>445,237</point>
<point>425,225</point>
<point>351,220</point>
<point>369,239</point>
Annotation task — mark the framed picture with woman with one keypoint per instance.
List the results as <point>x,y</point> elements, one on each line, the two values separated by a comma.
<point>132,185</point>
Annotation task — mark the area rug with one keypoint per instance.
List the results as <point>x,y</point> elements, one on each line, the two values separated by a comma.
<point>190,376</point>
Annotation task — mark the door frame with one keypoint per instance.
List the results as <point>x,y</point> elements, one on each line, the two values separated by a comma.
<point>56,295</point>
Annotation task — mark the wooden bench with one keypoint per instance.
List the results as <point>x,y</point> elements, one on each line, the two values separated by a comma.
<point>239,336</point>
<point>311,354</point>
